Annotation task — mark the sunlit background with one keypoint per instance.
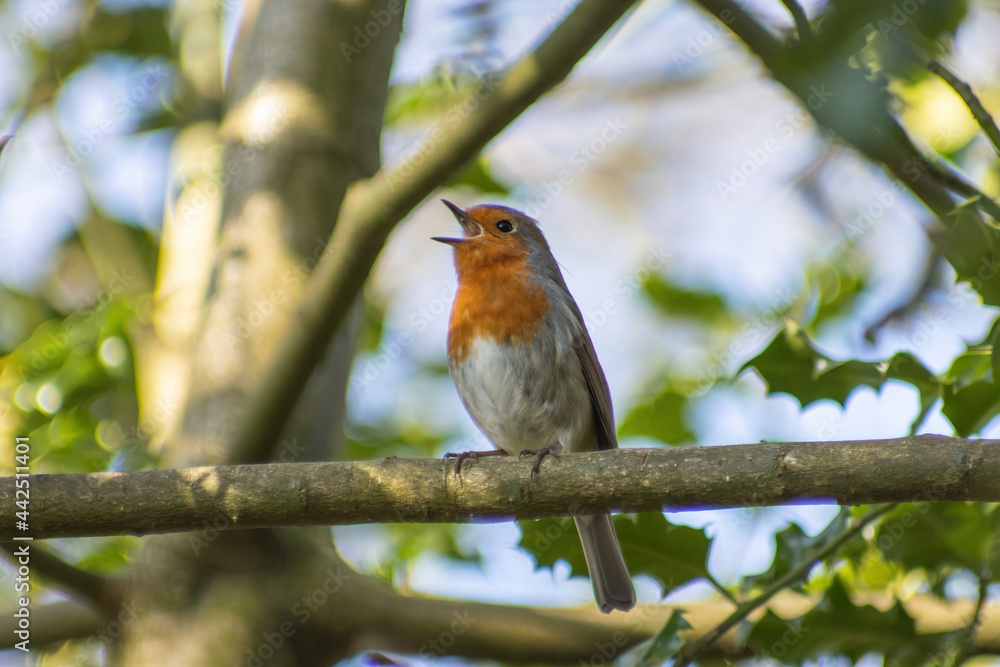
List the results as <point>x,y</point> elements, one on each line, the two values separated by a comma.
<point>692,204</point>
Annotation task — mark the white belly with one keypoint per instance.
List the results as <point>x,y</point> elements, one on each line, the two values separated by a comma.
<point>527,397</point>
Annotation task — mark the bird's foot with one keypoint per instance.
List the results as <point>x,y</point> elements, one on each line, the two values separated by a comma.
<point>539,454</point>
<point>462,456</point>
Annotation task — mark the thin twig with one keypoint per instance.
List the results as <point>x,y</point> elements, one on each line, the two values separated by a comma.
<point>930,278</point>
<point>968,96</point>
<point>880,137</point>
<point>717,585</point>
<point>949,178</point>
<point>802,24</point>
<point>69,578</point>
<point>968,634</point>
<point>691,652</point>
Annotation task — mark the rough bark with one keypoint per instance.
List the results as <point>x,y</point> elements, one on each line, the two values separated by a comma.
<point>390,490</point>
<point>302,122</point>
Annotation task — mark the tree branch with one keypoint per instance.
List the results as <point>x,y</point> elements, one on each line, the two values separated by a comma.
<point>390,490</point>
<point>69,578</point>
<point>373,207</point>
<point>968,96</point>
<point>965,641</point>
<point>850,106</point>
<point>695,649</point>
<point>54,622</point>
<point>802,25</point>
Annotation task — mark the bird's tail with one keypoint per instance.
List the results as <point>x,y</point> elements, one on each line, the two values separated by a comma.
<point>612,584</point>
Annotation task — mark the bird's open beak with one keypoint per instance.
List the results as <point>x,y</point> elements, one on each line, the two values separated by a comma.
<point>469,226</point>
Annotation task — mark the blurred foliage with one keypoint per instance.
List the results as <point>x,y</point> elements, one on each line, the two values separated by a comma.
<point>371,326</point>
<point>107,555</point>
<point>68,376</point>
<point>917,545</point>
<point>366,441</point>
<point>672,555</point>
<point>476,176</point>
<point>971,248</point>
<point>134,31</point>
<point>667,642</point>
<point>68,346</point>
<point>793,547</point>
<point>838,626</point>
<point>678,302</point>
<point>836,284</point>
<point>404,543</point>
<point>791,364</point>
<point>662,418</point>
<point>435,95</point>
<point>939,537</point>
<point>71,385</point>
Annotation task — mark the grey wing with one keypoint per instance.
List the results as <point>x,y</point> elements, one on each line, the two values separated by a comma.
<point>597,385</point>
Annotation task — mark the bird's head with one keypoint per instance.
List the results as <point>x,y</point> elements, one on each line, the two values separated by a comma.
<point>494,235</point>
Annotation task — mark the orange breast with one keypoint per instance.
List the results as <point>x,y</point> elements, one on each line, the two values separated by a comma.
<point>497,303</point>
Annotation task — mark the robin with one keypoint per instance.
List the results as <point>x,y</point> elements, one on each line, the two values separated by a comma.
<point>525,367</point>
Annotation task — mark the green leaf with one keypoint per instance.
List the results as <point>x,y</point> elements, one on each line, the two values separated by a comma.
<point>837,626</point>
<point>478,177</point>
<point>972,408</point>
<point>662,418</point>
<point>907,368</point>
<point>410,540</point>
<point>64,353</point>
<point>678,302</point>
<point>900,40</point>
<point>372,326</point>
<point>552,540</point>
<point>141,32</point>
<point>110,554</point>
<point>793,547</point>
<point>938,535</point>
<point>667,642</point>
<point>839,381</point>
<point>673,555</point>
<point>872,571</point>
<point>433,97</point>
<point>790,364</point>
<point>994,339</point>
<point>390,438</point>
<point>971,246</point>
<point>970,366</point>
<point>837,286</point>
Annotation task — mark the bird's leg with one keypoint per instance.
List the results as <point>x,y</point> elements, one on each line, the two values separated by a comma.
<point>539,454</point>
<point>461,456</point>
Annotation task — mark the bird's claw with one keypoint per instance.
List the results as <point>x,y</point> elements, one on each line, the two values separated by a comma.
<point>459,458</point>
<point>540,454</point>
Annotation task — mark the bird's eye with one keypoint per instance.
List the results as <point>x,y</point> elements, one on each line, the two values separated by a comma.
<point>505,226</point>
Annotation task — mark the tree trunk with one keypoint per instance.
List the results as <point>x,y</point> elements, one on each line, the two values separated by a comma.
<point>303,121</point>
